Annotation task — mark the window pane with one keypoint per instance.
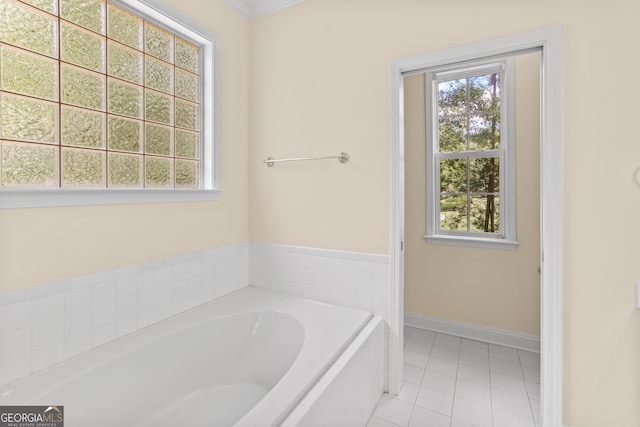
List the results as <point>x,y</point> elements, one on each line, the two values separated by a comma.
<point>124,27</point>
<point>82,168</point>
<point>124,98</point>
<point>186,144</point>
<point>452,97</point>
<point>484,132</point>
<point>50,6</point>
<point>453,176</point>
<point>485,214</point>
<point>158,75</point>
<point>186,114</point>
<point>187,56</point>
<point>452,134</point>
<point>23,26</point>
<point>82,47</point>
<point>28,119</point>
<point>484,175</point>
<point>187,85</point>
<point>32,165</point>
<point>158,139</point>
<point>186,174</point>
<point>158,107</point>
<point>484,93</point>
<point>158,43</point>
<point>83,88</point>
<point>29,74</point>
<point>125,170</point>
<point>158,172</point>
<point>124,134</point>
<point>83,127</point>
<point>86,13</point>
<point>453,213</point>
<point>124,63</point>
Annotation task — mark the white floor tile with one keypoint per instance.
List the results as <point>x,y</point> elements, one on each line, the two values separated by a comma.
<point>435,400</point>
<point>474,359</point>
<point>418,346</point>
<point>379,422</point>
<point>535,408</point>
<point>423,417</point>
<point>408,392</point>
<point>504,353</point>
<point>439,381</point>
<point>415,358</point>
<point>509,384</point>
<point>474,392</point>
<point>512,403</point>
<point>476,375</point>
<point>533,390</point>
<point>472,413</point>
<point>505,419</point>
<point>528,358</point>
<point>505,367</point>
<point>458,423</point>
<point>531,374</point>
<point>475,346</point>
<point>440,351</point>
<point>423,335</point>
<point>449,367</point>
<point>448,340</point>
<point>393,410</point>
<point>412,374</point>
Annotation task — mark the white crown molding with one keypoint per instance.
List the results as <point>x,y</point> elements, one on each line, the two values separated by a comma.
<point>252,9</point>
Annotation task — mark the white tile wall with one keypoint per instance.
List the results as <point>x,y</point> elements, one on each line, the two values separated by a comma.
<point>47,324</point>
<point>350,279</point>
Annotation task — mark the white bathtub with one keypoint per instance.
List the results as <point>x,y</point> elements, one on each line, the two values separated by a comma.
<point>247,359</point>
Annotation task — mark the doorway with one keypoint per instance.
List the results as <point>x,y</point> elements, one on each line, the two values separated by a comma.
<point>548,42</point>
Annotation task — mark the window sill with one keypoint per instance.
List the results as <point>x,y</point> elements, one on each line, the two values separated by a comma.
<point>474,242</point>
<point>80,197</point>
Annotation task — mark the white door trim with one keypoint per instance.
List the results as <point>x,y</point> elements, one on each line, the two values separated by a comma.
<point>549,41</point>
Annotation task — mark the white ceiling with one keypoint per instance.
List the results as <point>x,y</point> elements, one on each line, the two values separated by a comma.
<point>252,9</point>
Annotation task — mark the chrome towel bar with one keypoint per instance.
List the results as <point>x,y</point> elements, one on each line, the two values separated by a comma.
<point>342,158</point>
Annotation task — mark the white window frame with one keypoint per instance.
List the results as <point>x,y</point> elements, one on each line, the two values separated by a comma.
<point>506,238</point>
<point>207,41</point>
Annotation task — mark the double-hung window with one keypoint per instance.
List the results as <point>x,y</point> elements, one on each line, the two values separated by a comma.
<point>470,155</point>
<point>103,101</point>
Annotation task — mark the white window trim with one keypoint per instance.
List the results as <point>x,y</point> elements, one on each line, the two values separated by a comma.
<point>209,189</point>
<point>506,239</point>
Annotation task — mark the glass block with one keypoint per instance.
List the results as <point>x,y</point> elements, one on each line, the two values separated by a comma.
<point>82,47</point>
<point>187,85</point>
<point>453,175</point>
<point>82,87</point>
<point>452,134</point>
<point>484,131</point>
<point>29,74</point>
<point>158,172</point>
<point>187,144</point>
<point>158,139</point>
<point>186,114</point>
<point>29,28</point>
<point>124,63</point>
<point>186,174</point>
<point>29,165</point>
<point>484,175</point>
<point>124,27</point>
<point>158,107</point>
<point>453,213</point>
<point>158,42</point>
<point>83,128</point>
<point>125,170</point>
<point>83,168</point>
<point>28,119</point>
<point>86,13</point>
<point>50,6</point>
<point>187,56</point>
<point>124,98</point>
<point>124,134</point>
<point>158,75</point>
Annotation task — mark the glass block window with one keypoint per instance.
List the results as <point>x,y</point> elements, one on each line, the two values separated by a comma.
<point>95,95</point>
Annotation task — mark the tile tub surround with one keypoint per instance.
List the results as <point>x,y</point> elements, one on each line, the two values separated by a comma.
<point>46,324</point>
<point>349,279</point>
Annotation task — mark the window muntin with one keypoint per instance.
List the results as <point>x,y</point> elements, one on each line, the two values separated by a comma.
<point>101,98</point>
<point>472,177</point>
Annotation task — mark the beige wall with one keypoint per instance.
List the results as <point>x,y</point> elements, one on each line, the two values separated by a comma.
<point>488,287</point>
<point>320,84</point>
<point>48,244</point>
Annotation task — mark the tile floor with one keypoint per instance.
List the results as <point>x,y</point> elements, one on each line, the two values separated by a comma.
<point>457,382</point>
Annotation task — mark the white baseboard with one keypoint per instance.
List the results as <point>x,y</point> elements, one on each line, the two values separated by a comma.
<point>474,332</point>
